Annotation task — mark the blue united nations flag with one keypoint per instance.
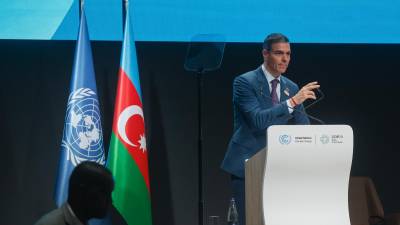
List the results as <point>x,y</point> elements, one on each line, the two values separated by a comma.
<point>82,137</point>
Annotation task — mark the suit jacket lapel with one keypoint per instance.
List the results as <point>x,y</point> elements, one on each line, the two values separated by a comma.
<point>285,91</point>
<point>263,86</point>
<point>262,82</point>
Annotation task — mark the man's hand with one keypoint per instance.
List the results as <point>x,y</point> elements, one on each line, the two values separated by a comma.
<point>306,92</point>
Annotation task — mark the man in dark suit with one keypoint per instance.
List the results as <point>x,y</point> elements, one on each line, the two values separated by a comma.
<point>261,98</point>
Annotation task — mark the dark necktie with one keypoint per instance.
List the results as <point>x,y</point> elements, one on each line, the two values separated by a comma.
<point>274,94</point>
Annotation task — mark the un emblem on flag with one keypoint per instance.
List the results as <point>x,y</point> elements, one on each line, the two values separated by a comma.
<point>83,138</point>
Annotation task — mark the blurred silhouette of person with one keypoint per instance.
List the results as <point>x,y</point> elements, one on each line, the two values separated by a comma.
<point>89,196</point>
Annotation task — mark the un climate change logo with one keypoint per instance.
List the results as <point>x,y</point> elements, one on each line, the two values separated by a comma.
<point>83,138</point>
<point>285,139</point>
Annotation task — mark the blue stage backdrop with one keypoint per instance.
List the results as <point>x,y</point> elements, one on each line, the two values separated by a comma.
<point>306,21</point>
<point>58,19</point>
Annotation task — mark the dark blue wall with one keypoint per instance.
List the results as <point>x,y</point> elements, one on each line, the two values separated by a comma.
<point>360,83</point>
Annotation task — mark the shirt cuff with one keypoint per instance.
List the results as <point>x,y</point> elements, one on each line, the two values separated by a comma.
<point>290,107</point>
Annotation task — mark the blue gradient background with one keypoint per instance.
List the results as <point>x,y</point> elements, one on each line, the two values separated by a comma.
<point>305,21</point>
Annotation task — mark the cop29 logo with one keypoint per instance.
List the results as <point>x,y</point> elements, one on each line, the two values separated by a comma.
<point>285,139</point>
<point>324,139</point>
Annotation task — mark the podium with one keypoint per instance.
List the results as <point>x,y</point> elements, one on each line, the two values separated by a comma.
<point>302,178</point>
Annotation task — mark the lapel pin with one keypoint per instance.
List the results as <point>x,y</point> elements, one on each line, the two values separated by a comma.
<point>286,91</point>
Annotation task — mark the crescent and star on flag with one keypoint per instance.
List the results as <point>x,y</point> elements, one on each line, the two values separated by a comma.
<point>123,118</point>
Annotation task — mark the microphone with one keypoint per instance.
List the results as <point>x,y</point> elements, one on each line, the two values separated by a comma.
<point>317,100</point>
<point>308,115</point>
<point>308,106</point>
<point>322,96</point>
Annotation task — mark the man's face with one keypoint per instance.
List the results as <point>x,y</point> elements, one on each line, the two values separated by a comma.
<point>277,59</point>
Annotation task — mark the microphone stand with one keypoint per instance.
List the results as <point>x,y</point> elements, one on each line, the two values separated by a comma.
<point>205,53</point>
<point>200,84</point>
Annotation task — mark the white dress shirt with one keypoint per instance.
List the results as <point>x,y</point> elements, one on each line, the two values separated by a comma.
<point>269,77</point>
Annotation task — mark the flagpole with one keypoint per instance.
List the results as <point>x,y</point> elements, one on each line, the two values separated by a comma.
<point>81,3</point>
<point>124,12</point>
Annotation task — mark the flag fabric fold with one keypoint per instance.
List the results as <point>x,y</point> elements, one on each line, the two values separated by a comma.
<point>82,136</point>
<point>127,157</point>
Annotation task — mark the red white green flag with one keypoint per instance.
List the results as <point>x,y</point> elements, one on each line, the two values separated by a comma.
<point>127,158</point>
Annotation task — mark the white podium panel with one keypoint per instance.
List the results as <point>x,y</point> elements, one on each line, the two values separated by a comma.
<point>307,175</point>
